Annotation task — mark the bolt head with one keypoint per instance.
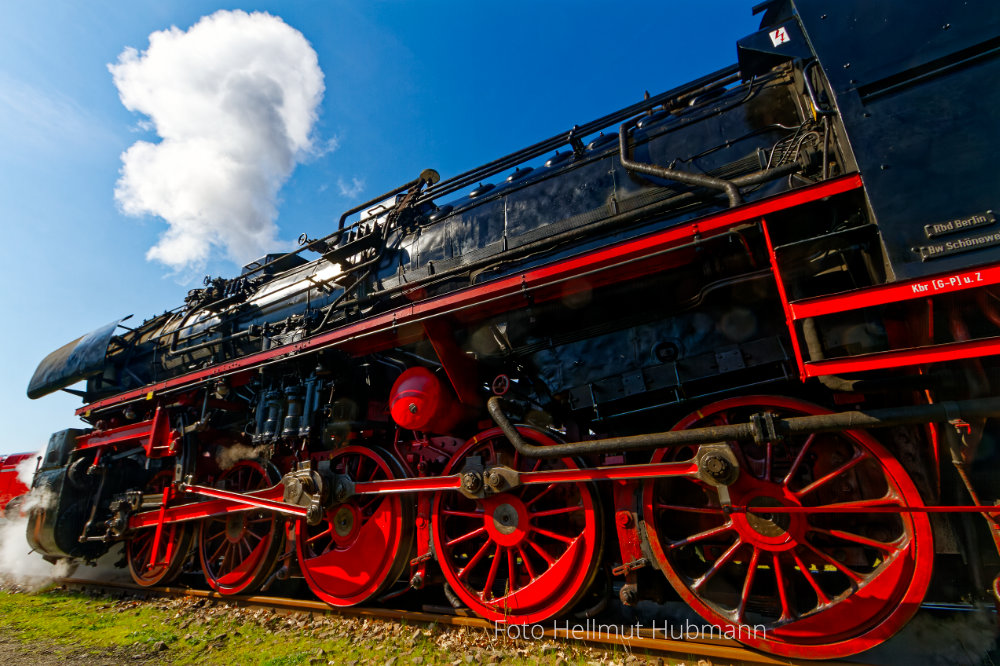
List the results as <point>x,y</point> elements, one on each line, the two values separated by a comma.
<point>717,467</point>
<point>471,482</point>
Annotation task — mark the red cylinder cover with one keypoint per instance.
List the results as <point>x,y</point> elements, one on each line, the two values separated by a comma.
<point>419,401</point>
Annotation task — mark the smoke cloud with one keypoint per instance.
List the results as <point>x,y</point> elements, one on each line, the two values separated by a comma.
<point>233,100</point>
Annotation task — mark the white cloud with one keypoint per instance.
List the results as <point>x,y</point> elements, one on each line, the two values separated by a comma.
<point>233,100</point>
<point>353,190</point>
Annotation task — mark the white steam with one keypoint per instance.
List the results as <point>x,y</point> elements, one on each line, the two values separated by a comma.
<point>26,469</point>
<point>234,101</point>
<point>18,564</point>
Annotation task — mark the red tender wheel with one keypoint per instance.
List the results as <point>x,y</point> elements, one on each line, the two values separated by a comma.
<point>807,585</point>
<point>160,568</point>
<point>239,550</point>
<point>363,545</point>
<point>521,556</point>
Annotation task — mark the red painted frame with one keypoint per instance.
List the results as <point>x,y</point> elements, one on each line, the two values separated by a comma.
<point>155,436</point>
<point>897,292</point>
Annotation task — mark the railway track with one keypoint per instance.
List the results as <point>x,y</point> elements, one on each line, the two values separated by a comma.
<point>589,633</point>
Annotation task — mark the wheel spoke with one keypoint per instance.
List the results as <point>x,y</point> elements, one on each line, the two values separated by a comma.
<point>857,538</point>
<point>707,534</point>
<point>511,574</point>
<point>553,535</point>
<point>326,532</point>
<point>747,585</point>
<point>527,563</point>
<point>804,570</point>
<point>717,565</point>
<point>464,514</point>
<point>465,537</point>
<point>540,495</point>
<point>556,512</point>
<point>779,578</point>
<point>798,460</point>
<point>826,478</point>
<point>837,565</point>
<point>475,559</point>
<point>544,553</point>
<point>218,551</point>
<point>491,576</point>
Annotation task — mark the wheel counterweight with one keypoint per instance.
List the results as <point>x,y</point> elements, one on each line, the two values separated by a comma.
<point>801,584</point>
<point>521,556</point>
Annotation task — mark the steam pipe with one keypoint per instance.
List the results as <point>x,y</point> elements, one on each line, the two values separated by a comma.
<point>173,350</point>
<point>761,428</point>
<point>685,177</point>
<point>714,80</point>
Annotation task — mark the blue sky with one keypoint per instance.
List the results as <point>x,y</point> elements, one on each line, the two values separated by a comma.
<point>408,85</point>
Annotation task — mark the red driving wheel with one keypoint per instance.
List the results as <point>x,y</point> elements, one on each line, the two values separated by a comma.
<point>239,550</point>
<point>817,585</point>
<point>521,556</point>
<point>149,568</point>
<point>362,545</point>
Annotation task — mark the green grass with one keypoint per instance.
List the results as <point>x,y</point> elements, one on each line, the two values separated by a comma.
<point>186,631</point>
<point>82,624</point>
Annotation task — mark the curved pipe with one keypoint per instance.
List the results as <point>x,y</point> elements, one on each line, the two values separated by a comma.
<point>761,428</point>
<point>687,178</point>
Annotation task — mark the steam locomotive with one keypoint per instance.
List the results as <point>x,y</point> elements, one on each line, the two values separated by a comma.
<point>733,345</point>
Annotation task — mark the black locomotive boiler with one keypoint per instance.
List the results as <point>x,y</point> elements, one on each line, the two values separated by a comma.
<point>735,344</point>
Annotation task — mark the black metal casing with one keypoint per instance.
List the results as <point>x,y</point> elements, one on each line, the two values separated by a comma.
<point>904,77</point>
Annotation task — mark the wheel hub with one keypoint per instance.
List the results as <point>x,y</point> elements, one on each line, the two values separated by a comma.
<point>343,521</point>
<point>769,531</point>
<point>506,519</point>
<point>768,524</point>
